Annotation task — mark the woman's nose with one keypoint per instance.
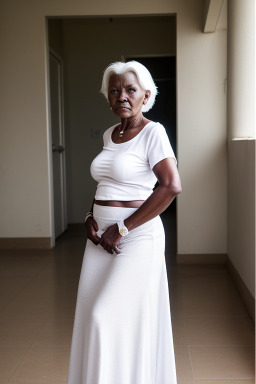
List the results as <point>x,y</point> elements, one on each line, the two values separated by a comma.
<point>122,96</point>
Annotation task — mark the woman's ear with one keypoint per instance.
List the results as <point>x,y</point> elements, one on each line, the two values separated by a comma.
<point>146,97</point>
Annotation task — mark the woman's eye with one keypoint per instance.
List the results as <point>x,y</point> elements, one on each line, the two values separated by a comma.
<point>131,90</point>
<point>114,91</point>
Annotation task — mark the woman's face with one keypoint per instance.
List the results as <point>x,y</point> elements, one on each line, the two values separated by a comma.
<point>125,95</point>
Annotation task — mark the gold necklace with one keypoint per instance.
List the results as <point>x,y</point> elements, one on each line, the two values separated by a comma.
<point>121,133</point>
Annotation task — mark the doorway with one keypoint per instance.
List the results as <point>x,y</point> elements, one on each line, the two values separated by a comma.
<point>87,46</point>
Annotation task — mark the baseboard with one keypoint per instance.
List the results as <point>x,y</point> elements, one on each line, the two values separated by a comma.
<point>204,258</point>
<point>25,243</point>
<point>244,292</point>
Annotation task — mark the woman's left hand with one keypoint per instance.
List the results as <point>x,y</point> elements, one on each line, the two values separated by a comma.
<point>110,239</point>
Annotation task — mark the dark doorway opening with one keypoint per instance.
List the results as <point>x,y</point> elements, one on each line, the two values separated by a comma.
<point>87,46</point>
<point>163,71</point>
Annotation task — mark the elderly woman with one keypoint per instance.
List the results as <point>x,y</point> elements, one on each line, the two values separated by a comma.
<point>122,331</point>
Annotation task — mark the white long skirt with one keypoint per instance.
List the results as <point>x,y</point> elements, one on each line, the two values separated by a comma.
<point>122,330</point>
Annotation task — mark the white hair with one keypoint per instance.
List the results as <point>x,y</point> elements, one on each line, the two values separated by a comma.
<point>143,75</point>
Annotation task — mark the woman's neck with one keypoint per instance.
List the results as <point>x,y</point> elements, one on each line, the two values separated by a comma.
<point>132,122</point>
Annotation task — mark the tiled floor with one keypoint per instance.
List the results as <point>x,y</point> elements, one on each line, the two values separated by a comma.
<point>213,334</point>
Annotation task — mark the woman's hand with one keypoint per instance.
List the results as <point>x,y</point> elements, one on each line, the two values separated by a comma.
<point>92,228</point>
<point>110,239</point>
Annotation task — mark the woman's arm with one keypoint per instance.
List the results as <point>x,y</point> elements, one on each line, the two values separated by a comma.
<point>169,186</point>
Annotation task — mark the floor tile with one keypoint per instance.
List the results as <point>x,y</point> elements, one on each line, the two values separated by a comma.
<point>28,308</point>
<point>65,309</point>
<point>10,287</point>
<point>183,364</point>
<point>209,299</point>
<point>220,331</point>
<point>43,364</point>
<point>35,382</point>
<point>222,362</point>
<point>9,359</point>
<point>55,333</point>
<point>22,263</point>
<point>18,333</point>
<point>226,381</point>
<point>175,302</point>
<point>212,333</point>
<point>179,331</point>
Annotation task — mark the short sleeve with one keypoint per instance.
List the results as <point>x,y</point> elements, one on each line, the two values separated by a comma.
<point>105,134</point>
<point>159,146</point>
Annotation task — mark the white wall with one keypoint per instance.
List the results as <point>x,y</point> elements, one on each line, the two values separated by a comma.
<point>24,151</point>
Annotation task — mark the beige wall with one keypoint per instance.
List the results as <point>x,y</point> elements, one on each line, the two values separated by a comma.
<point>241,150</point>
<point>24,152</point>
<point>241,70</point>
<point>202,148</point>
<point>242,209</point>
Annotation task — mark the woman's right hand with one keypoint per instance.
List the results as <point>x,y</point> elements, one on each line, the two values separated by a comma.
<point>92,229</point>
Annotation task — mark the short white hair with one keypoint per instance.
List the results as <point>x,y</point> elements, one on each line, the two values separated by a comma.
<point>143,75</point>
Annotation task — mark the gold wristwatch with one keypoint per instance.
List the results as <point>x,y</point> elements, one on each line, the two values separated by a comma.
<point>122,228</point>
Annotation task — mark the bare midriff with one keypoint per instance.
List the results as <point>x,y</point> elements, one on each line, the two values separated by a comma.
<point>125,204</point>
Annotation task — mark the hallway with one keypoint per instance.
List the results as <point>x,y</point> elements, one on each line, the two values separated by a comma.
<point>213,334</point>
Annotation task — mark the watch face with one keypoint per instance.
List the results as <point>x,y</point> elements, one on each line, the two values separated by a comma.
<point>123,231</point>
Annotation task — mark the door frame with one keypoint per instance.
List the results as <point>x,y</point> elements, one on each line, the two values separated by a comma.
<point>56,57</point>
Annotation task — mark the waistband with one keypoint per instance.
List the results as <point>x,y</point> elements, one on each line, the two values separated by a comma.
<point>109,213</point>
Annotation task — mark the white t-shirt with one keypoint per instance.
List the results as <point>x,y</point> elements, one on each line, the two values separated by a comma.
<point>124,171</point>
